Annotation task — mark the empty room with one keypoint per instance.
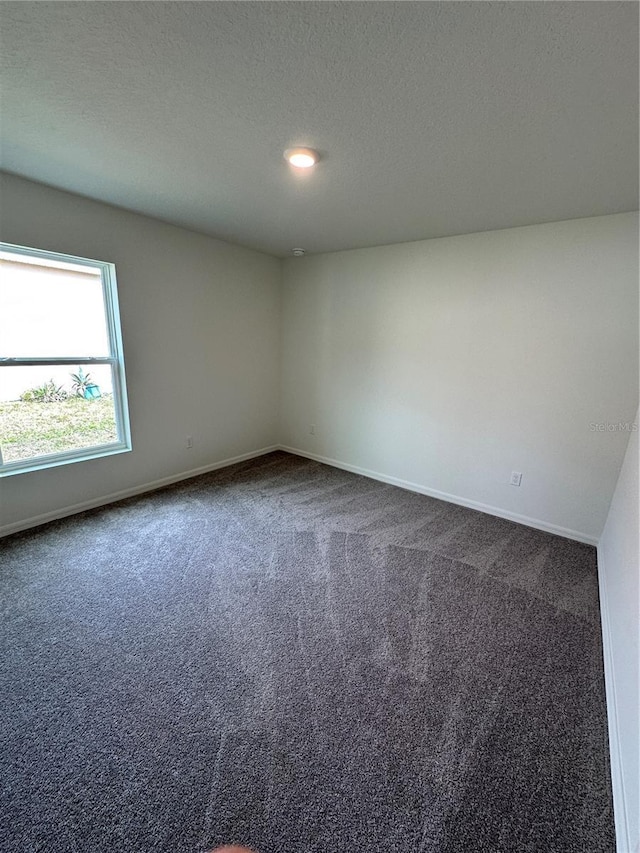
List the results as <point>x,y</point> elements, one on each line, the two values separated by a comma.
<point>319,368</point>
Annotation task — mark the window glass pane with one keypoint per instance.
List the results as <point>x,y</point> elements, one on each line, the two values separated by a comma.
<point>47,410</point>
<point>49,309</point>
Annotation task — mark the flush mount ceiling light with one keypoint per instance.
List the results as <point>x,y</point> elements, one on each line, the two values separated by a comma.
<point>303,158</point>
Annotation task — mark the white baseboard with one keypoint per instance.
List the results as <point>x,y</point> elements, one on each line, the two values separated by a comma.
<point>444,496</point>
<point>63,512</point>
<point>34,521</point>
<point>623,832</point>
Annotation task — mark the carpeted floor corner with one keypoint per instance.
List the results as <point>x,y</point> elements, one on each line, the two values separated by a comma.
<point>302,660</point>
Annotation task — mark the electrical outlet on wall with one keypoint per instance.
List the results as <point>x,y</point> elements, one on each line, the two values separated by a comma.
<point>312,429</point>
<point>189,442</point>
<point>516,478</point>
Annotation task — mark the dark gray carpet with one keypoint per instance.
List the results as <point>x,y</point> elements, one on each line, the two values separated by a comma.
<point>306,661</point>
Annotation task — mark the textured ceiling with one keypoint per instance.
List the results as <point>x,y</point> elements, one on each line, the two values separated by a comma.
<point>432,118</point>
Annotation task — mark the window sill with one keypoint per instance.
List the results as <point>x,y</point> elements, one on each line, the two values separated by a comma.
<point>53,460</point>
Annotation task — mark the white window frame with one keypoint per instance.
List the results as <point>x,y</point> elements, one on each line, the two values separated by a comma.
<point>115,359</point>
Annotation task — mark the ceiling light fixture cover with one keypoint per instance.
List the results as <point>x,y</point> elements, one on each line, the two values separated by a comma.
<point>303,158</point>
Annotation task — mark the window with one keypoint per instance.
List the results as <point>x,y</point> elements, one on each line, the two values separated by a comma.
<point>62,384</point>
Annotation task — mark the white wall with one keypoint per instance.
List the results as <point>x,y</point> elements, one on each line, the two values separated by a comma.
<point>618,569</point>
<point>444,363</point>
<point>200,322</point>
<point>449,363</point>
